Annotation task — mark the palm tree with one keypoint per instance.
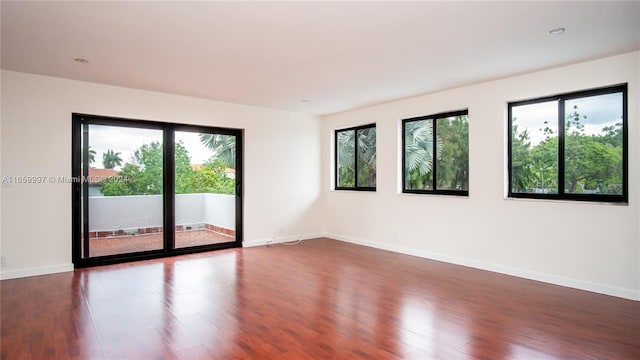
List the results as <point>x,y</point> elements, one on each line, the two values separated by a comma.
<point>366,148</point>
<point>92,155</point>
<point>418,152</point>
<point>224,147</point>
<point>367,157</point>
<point>419,146</point>
<point>111,159</point>
<point>346,147</point>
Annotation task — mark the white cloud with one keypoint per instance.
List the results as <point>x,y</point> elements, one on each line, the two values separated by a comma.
<point>126,140</point>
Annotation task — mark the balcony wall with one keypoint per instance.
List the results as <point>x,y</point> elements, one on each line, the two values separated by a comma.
<point>115,213</point>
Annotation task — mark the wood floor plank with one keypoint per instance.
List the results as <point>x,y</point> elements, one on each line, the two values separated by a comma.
<point>321,299</point>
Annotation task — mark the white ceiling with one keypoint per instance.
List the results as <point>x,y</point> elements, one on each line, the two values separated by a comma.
<point>312,57</point>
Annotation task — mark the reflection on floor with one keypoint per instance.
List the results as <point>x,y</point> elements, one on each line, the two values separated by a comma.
<point>136,243</point>
<point>320,299</point>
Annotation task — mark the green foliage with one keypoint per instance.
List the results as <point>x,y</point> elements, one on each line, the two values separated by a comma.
<point>451,154</point>
<point>111,159</point>
<point>346,176</point>
<point>521,169</point>
<point>543,164</point>
<point>134,184</point>
<point>613,135</point>
<point>418,154</point>
<point>593,163</point>
<point>143,174</point>
<point>223,146</point>
<point>366,144</point>
<point>211,178</point>
<point>183,170</point>
<point>346,158</point>
<point>92,155</point>
<point>367,157</point>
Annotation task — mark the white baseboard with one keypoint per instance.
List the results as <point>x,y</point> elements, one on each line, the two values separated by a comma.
<point>507,270</point>
<point>522,273</point>
<point>35,271</point>
<point>281,239</point>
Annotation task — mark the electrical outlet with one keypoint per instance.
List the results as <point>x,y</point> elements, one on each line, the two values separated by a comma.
<point>280,230</point>
<point>3,260</point>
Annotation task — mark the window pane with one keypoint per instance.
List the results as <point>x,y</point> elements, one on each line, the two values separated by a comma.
<point>204,188</point>
<point>126,190</point>
<point>534,148</point>
<point>346,158</point>
<point>367,157</point>
<point>593,145</point>
<point>452,145</point>
<point>418,155</point>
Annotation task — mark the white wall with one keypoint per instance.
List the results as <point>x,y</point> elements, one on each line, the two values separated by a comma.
<point>219,209</point>
<point>288,170</point>
<point>584,245</point>
<point>282,153</point>
<point>189,209</point>
<point>109,213</point>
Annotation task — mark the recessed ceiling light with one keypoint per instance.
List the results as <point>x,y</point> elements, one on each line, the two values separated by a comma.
<point>81,61</point>
<point>557,31</point>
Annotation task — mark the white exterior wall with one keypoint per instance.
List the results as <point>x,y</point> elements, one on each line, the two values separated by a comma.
<point>589,246</point>
<point>190,209</point>
<point>219,210</point>
<point>109,213</point>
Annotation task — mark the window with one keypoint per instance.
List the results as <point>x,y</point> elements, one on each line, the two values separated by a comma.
<point>571,146</point>
<point>436,154</point>
<point>146,189</point>
<point>356,158</point>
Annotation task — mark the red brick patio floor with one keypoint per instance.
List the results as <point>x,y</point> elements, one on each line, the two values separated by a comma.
<point>128,244</point>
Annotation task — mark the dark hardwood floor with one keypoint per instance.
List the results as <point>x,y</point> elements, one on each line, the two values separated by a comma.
<point>321,299</point>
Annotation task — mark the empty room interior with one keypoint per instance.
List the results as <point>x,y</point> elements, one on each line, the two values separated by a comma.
<point>319,180</point>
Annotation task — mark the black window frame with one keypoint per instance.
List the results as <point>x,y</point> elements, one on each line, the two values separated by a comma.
<point>79,204</point>
<point>434,118</point>
<point>562,98</point>
<point>356,129</point>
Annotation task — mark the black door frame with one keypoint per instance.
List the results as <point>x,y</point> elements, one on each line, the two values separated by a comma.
<point>80,203</point>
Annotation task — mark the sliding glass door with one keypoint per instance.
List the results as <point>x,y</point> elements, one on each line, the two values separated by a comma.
<point>146,189</point>
<point>205,187</point>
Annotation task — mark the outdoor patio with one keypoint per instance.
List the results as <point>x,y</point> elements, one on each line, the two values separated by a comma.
<point>127,244</point>
<point>125,224</point>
